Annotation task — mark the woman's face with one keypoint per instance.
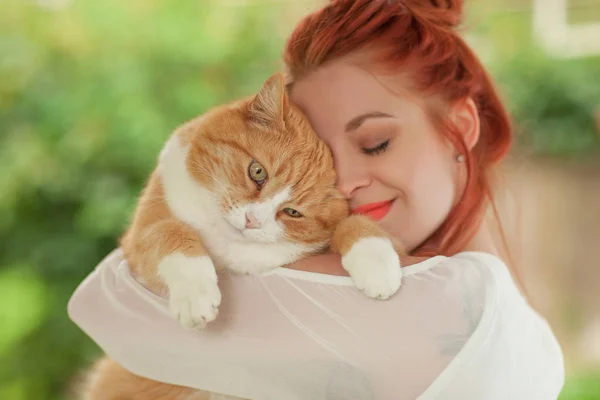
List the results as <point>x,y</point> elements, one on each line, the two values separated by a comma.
<point>391,162</point>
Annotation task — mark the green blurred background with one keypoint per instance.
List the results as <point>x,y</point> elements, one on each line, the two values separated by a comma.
<point>89,91</point>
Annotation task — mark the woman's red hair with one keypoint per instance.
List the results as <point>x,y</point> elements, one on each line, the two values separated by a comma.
<point>417,38</point>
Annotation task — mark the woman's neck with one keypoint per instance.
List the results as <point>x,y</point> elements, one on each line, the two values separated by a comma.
<point>483,241</point>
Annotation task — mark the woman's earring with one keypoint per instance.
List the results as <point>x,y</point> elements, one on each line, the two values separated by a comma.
<point>460,158</point>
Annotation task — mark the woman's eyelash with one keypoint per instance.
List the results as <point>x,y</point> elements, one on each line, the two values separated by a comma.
<point>373,151</point>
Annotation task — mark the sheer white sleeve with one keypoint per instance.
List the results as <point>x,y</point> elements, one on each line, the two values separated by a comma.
<point>299,335</point>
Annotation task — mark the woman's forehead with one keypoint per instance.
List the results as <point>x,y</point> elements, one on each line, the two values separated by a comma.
<point>335,95</point>
<point>340,89</point>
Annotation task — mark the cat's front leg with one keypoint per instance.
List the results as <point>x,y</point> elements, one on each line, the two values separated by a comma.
<point>369,256</point>
<point>194,295</point>
<point>169,254</point>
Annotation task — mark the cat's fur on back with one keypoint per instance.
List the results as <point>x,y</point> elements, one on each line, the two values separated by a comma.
<point>246,187</point>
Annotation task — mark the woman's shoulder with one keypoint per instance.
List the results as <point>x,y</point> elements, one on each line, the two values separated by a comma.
<point>474,289</point>
<point>493,274</point>
<point>478,276</point>
<point>486,275</point>
<point>477,260</point>
<point>509,342</point>
<point>478,268</point>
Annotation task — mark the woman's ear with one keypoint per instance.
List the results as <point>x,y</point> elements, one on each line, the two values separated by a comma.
<point>465,117</point>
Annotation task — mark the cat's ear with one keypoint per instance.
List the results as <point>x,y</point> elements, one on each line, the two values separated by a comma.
<point>271,104</point>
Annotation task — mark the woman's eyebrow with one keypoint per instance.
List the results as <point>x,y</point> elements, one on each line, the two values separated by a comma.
<point>356,122</point>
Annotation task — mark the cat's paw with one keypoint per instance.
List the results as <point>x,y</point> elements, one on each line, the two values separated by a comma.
<point>194,304</point>
<point>194,296</point>
<point>374,266</point>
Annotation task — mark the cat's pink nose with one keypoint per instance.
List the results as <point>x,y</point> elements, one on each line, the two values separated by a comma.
<point>252,222</point>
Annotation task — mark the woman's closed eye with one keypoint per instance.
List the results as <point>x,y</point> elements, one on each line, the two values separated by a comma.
<point>380,148</point>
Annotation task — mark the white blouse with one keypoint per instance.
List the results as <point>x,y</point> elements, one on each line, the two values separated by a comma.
<point>458,328</point>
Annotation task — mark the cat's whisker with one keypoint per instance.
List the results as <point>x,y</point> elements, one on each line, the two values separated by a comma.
<point>203,169</point>
<point>215,180</point>
<point>154,200</point>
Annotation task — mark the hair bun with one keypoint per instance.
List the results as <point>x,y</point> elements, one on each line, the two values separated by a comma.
<point>447,13</point>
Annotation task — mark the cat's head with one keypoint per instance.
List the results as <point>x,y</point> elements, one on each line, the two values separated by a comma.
<point>273,177</point>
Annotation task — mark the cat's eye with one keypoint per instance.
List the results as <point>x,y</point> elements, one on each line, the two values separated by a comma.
<point>380,148</point>
<point>257,172</point>
<point>292,213</point>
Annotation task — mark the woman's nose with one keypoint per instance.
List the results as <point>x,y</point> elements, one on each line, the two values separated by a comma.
<point>351,176</point>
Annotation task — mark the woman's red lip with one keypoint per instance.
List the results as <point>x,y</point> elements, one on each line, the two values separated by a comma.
<point>375,210</point>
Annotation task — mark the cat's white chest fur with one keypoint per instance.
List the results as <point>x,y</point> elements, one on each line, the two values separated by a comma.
<point>226,244</point>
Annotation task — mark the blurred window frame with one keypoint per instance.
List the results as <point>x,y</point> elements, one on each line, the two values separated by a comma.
<point>557,36</point>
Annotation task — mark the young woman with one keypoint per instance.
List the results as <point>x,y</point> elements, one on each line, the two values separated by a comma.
<point>415,126</point>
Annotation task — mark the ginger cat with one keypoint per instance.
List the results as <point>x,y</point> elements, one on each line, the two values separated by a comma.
<point>246,187</point>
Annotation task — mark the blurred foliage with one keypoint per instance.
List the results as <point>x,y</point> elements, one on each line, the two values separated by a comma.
<point>88,94</point>
<point>553,101</point>
<point>89,91</point>
<point>582,386</point>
